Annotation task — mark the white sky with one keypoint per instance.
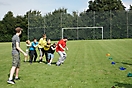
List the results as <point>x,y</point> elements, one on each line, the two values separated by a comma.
<point>20,7</point>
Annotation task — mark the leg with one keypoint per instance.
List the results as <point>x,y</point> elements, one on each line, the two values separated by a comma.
<point>41,54</point>
<point>60,58</point>
<point>51,58</point>
<point>31,56</point>
<point>25,59</point>
<point>12,71</point>
<point>46,56</point>
<point>64,56</point>
<point>15,64</point>
<point>17,72</point>
<point>27,56</point>
<point>35,54</point>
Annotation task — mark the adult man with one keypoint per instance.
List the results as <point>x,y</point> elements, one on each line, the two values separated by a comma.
<point>16,55</point>
<point>60,49</point>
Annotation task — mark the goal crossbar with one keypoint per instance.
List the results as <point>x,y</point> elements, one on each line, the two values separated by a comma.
<point>81,28</point>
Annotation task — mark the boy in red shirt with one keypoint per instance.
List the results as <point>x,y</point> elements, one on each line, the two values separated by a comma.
<point>60,49</point>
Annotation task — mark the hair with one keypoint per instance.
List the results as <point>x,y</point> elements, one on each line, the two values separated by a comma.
<point>48,40</point>
<point>55,43</point>
<point>44,35</point>
<point>34,39</point>
<point>18,29</point>
<point>65,38</point>
<point>27,41</point>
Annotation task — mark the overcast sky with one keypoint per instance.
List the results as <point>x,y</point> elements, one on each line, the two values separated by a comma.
<point>20,7</point>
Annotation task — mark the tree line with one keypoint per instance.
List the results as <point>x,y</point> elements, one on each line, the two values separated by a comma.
<point>110,14</point>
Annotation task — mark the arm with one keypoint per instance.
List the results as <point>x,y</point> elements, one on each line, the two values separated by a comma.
<point>17,46</point>
<point>28,44</point>
<point>47,46</point>
<point>61,47</point>
<point>66,48</point>
<point>35,45</point>
<point>53,48</point>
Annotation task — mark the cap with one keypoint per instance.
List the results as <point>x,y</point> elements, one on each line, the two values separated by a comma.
<point>18,29</point>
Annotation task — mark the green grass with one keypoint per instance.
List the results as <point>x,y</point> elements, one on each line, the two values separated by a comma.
<point>86,66</point>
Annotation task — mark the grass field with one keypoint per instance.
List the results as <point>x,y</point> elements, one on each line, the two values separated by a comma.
<point>86,66</point>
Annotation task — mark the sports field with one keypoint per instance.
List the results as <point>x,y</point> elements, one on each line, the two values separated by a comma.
<point>86,66</point>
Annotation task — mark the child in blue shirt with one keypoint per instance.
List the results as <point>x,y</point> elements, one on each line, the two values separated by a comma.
<point>32,50</point>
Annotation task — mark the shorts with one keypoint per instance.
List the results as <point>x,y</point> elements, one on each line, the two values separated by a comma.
<point>16,60</point>
<point>50,56</point>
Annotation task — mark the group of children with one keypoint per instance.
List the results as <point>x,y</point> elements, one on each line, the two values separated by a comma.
<point>45,48</point>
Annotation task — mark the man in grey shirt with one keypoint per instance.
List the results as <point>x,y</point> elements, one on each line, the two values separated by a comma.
<point>16,56</point>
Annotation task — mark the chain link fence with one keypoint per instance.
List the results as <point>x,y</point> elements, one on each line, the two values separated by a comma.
<point>116,25</point>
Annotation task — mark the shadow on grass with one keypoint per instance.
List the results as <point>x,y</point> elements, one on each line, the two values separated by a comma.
<point>51,62</point>
<point>124,85</point>
<point>124,63</point>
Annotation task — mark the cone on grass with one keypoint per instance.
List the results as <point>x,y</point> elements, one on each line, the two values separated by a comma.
<point>112,62</point>
<point>110,58</point>
<point>107,54</point>
<point>122,68</point>
<point>129,75</point>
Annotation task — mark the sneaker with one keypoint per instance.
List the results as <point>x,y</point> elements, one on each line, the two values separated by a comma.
<point>40,62</point>
<point>58,64</point>
<point>11,81</point>
<point>17,78</point>
<point>49,63</point>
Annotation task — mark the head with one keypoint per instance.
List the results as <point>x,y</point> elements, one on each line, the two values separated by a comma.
<point>54,44</point>
<point>44,36</point>
<point>65,39</point>
<point>35,40</point>
<point>18,30</point>
<point>49,41</point>
<point>27,41</point>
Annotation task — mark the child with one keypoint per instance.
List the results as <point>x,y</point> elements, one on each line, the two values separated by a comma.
<point>51,53</point>
<point>32,50</point>
<point>28,44</point>
<point>46,49</point>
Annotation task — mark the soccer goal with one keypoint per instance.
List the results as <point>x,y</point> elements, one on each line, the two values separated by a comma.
<point>100,32</point>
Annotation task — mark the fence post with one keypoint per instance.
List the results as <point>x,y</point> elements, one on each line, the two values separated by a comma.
<point>127,24</point>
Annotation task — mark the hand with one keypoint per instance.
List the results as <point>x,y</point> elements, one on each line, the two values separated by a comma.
<point>67,49</point>
<point>25,55</point>
<point>64,49</point>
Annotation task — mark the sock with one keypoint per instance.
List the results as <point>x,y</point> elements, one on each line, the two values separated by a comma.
<point>16,77</point>
<point>10,78</point>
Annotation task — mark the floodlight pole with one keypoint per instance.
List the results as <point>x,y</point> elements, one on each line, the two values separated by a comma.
<point>28,27</point>
<point>62,33</point>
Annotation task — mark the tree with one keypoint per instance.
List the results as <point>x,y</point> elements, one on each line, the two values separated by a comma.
<point>130,7</point>
<point>8,24</point>
<point>105,5</point>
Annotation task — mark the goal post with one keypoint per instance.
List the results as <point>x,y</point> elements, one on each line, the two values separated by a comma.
<point>81,28</point>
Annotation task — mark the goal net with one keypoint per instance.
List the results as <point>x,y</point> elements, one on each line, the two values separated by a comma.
<point>83,33</point>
